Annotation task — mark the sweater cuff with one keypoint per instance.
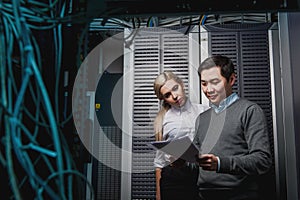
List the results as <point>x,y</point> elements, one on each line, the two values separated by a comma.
<point>225,167</point>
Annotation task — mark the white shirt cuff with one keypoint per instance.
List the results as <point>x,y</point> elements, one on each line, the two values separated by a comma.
<point>218,168</point>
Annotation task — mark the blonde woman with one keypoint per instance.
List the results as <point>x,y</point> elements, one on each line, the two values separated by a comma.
<point>175,179</point>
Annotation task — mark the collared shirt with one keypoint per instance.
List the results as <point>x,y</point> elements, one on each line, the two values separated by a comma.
<point>225,103</point>
<point>178,122</point>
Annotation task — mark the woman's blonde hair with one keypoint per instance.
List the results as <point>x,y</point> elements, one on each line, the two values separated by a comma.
<point>158,83</point>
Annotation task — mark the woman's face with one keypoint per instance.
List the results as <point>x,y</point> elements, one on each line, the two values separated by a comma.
<point>173,93</point>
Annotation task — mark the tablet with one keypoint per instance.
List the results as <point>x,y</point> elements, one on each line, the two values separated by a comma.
<point>182,148</point>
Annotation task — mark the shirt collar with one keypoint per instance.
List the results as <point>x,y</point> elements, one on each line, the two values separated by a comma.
<point>185,107</point>
<point>225,103</point>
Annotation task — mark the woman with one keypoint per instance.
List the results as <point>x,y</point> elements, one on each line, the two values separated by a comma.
<point>175,179</point>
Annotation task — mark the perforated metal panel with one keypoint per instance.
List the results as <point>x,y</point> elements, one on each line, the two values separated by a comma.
<point>155,50</point>
<point>107,141</point>
<point>108,181</point>
<point>146,68</point>
<point>175,55</point>
<point>255,70</point>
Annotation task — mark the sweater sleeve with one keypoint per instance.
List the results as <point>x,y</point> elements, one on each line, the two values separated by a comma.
<point>258,160</point>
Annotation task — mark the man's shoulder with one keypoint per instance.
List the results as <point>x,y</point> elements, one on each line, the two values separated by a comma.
<point>246,105</point>
<point>246,102</point>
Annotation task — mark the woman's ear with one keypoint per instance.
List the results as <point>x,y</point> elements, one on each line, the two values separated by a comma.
<point>182,85</point>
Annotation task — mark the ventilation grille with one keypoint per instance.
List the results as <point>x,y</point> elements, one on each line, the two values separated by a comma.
<point>256,69</point>
<point>155,51</point>
<point>108,181</point>
<point>175,55</point>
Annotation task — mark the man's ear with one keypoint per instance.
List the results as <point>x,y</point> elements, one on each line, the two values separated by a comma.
<point>232,79</point>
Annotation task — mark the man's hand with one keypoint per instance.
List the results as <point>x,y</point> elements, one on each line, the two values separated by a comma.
<point>208,162</point>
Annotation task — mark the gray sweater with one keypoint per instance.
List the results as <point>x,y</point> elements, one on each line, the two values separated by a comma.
<point>239,137</point>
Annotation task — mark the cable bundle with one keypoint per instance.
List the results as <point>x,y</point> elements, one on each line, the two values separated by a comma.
<point>33,149</point>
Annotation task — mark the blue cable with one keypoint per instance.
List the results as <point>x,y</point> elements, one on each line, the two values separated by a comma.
<point>203,20</point>
<point>16,20</point>
<point>21,26</point>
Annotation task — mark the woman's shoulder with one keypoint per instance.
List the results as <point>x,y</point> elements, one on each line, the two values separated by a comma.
<point>200,107</point>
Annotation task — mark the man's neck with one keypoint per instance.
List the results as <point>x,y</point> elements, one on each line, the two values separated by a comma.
<point>225,103</point>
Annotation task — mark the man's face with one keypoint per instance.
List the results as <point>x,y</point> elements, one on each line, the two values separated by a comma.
<point>173,93</point>
<point>215,86</point>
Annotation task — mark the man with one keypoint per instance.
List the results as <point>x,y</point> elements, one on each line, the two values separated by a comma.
<point>232,136</point>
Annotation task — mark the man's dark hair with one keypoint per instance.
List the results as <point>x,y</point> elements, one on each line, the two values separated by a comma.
<point>226,65</point>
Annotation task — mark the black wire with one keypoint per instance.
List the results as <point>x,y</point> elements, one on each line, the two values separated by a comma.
<point>189,27</point>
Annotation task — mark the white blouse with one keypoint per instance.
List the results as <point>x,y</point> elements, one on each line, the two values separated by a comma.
<point>178,122</point>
